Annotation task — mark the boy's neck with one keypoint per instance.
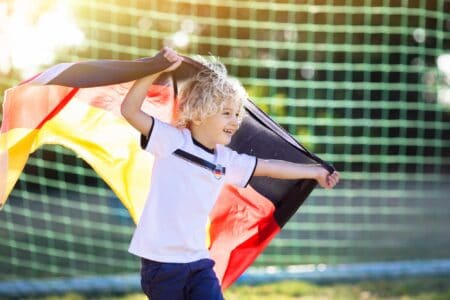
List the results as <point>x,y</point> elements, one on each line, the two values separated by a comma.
<point>202,139</point>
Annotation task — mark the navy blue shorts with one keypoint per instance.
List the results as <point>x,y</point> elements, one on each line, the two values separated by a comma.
<point>179,281</point>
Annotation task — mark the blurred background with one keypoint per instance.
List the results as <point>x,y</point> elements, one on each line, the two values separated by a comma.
<point>364,84</point>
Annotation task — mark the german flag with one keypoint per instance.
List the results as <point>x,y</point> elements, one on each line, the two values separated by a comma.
<point>77,105</point>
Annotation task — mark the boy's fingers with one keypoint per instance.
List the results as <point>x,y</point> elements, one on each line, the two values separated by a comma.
<point>172,57</point>
<point>331,182</point>
<point>170,54</point>
<point>332,179</point>
<point>335,175</point>
<point>174,65</point>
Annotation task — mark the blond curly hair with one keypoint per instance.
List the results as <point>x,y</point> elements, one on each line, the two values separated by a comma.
<point>207,92</point>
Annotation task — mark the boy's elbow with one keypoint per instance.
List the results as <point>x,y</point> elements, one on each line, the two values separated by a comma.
<point>125,111</point>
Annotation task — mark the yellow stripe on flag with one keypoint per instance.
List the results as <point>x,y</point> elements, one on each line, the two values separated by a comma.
<point>15,147</point>
<point>102,139</point>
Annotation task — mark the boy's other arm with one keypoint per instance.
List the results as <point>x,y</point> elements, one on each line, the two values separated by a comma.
<point>287,170</point>
<point>131,105</point>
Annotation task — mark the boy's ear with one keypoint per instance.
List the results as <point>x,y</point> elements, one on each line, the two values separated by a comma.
<point>197,121</point>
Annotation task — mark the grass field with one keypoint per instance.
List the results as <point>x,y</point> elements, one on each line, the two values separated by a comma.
<point>435,288</point>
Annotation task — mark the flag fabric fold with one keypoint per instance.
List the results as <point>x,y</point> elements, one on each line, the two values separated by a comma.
<point>77,105</point>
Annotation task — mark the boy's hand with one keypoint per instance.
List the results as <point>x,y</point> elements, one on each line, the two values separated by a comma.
<point>327,180</point>
<point>173,57</point>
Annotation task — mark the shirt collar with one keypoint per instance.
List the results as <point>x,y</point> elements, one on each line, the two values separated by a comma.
<point>197,143</point>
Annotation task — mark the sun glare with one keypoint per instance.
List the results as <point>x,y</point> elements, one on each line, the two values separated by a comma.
<point>32,34</point>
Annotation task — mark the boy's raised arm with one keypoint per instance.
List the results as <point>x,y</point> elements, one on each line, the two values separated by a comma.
<point>287,170</point>
<point>131,105</point>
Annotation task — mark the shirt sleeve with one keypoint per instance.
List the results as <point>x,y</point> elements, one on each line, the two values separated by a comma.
<point>163,139</point>
<point>240,169</point>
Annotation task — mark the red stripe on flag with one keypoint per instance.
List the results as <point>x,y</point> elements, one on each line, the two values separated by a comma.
<point>246,253</point>
<point>58,107</point>
<point>30,106</point>
<point>242,224</point>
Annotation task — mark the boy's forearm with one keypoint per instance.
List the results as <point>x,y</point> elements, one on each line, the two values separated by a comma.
<point>136,95</point>
<point>131,105</point>
<point>286,170</point>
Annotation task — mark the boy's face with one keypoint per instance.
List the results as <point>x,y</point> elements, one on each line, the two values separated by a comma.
<point>220,128</point>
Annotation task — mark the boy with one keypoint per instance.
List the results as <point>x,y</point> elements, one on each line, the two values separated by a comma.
<point>170,235</point>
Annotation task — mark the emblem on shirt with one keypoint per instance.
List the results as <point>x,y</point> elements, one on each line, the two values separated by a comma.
<point>218,171</point>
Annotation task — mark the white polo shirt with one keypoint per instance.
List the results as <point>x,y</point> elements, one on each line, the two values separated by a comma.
<point>172,227</point>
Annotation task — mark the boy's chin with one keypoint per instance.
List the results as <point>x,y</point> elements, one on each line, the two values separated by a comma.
<point>226,142</point>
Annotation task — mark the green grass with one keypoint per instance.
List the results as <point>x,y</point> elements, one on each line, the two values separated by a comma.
<point>432,288</point>
<point>425,288</point>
